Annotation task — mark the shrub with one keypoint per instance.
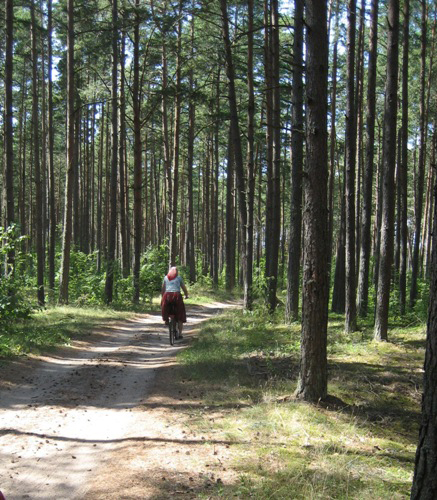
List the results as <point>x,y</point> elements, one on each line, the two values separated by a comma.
<point>13,303</point>
<point>86,286</point>
<point>154,264</point>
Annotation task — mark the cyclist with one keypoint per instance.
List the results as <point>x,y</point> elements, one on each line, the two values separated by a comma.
<point>171,294</point>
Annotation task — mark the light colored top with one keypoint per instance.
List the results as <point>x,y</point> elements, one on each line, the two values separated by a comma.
<point>173,285</point>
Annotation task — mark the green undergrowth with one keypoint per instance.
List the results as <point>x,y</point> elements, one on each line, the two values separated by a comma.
<point>204,292</point>
<point>52,327</point>
<point>360,442</point>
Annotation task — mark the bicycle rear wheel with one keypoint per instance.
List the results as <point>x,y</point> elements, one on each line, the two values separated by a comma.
<point>172,330</point>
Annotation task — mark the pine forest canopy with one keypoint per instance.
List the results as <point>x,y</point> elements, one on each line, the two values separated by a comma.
<point>181,131</point>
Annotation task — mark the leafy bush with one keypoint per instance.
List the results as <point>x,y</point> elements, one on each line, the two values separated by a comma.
<point>13,303</point>
<point>86,286</point>
<point>154,264</point>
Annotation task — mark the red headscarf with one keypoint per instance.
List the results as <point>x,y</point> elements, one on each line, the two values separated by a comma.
<point>172,273</point>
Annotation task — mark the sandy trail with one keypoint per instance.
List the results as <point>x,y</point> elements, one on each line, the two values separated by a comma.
<point>65,418</point>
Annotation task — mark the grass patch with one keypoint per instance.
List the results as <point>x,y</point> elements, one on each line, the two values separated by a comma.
<point>52,327</point>
<point>243,368</point>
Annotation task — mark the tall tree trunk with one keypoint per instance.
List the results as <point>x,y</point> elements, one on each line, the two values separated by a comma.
<point>138,230</point>
<point>421,163</point>
<point>350,140</point>
<point>22,217</point>
<point>68,208</point>
<point>338,293</point>
<point>297,138</point>
<point>268,72</point>
<point>107,174</point>
<point>43,143</point>
<point>378,215</point>
<point>248,292</point>
<point>51,166</point>
<point>86,183</point>
<point>429,221</point>
<point>176,143</point>
<point>424,481</point>
<point>359,97</point>
<point>235,137</point>
<point>112,231</point>
<point>398,208</point>
<point>273,228</point>
<point>428,214</point>
<point>313,376</point>
<point>37,166</point>
<point>190,250</point>
<point>122,165</point>
<point>333,138</point>
<point>8,126</point>
<point>230,220</point>
<point>77,172</point>
<point>165,137</point>
<point>93,176</point>
<point>388,169</point>
<point>100,190</point>
<point>363,281</point>
<point>215,208</point>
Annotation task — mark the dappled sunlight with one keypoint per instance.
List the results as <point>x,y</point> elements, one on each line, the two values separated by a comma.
<point>360,441</point>
<point>86,401</point>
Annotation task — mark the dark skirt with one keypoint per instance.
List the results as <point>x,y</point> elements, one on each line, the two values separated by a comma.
<point>172,303</point>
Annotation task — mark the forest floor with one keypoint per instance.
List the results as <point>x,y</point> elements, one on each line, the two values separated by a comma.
<point>102,418</point>
<point>119,413</point>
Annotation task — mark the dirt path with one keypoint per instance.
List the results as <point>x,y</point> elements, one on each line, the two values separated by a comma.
<point>98,419</point>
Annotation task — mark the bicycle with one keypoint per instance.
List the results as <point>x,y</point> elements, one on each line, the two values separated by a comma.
<point>173,330</point>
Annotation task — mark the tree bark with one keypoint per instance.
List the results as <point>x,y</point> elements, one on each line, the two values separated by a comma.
<point>176,144</point>
<point>138,230</point>
<point>297,139</point>
<point>37,165</point>
<point>421,162</point>
<point>190,248</point>
<point>122,165</point>
<point>51,167</point>
<point>333,138</point>
<point>235,137</point>
<point>338,293</point>
<point>388,169</point>
<point>425,471</point>
<point>112,231</point>
<point>350,140</point>
<point>230,220</point>
<point>68,208</point>
<point>363,281</point>
<point>313,376</point>
<point>166,142</point>
<point>99,214</point>
<point>8,127</point>
<point>250,159</point>
<point>273,223</point>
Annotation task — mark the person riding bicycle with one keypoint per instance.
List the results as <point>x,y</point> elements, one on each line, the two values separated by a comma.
<point>171,296</point>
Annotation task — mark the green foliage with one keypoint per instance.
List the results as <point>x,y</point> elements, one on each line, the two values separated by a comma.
<point>421,305</point>
<point>86,286</point>
<point>13,302</point>
<point>154,265</point>
<point>259,279</point>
